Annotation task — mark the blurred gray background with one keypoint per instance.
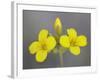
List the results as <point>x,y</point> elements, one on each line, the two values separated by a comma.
<point>34,21</point>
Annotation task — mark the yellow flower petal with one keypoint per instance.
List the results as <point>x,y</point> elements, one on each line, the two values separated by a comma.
<point>43,35</point>
<point>81,41</point>
<point>58,25</point>
<point>41,55</point>
<point>64,41</point>
<point>51,43</point>
<point>72,33</point>
<point>34,47</point>
<point>75,50</point>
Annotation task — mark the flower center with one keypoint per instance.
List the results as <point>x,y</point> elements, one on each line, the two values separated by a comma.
<point>73,42</point>
<point>44,47</point>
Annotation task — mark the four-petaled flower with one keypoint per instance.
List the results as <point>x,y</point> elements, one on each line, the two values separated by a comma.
<point>72,41</point>
<point>43,46</point>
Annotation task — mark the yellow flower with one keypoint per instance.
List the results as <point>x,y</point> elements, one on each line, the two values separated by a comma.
<point>41,47</point>
<point>73,42</point>
<point>58,26</point>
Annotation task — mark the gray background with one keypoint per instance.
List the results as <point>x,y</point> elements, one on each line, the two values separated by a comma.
<point>34,21</point>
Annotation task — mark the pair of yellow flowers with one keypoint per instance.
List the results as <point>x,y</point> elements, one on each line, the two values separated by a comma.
<point>47,43</point>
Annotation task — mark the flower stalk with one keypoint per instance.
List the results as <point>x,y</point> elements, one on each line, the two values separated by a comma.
<point>58,30</point>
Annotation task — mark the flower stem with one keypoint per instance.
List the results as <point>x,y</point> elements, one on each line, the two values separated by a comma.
<point>61,59</point>
<point>59,50</point>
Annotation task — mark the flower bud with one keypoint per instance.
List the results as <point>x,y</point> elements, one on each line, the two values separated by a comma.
<point>58,26</point>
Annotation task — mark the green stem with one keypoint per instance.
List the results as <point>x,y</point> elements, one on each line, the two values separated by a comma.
<point>61,59</point>
<point>60,52</point>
